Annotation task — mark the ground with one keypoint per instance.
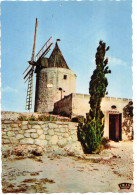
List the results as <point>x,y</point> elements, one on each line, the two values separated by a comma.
<point>50,174</point>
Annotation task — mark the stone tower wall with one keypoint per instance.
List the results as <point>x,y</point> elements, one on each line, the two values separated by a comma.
<point>49,83</point>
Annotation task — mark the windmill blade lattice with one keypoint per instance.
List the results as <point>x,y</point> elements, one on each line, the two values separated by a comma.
<point>29,91</point>
<point>34,62</point>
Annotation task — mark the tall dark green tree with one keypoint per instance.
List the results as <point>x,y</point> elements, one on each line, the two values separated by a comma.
<point>91,132</point>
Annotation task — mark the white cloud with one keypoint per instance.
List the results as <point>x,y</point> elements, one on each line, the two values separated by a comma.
<point>9,89</point>
<point>116,62</point>
<point>113,61</point>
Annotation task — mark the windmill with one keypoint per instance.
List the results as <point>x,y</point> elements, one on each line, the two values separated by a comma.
<point>35,61</point>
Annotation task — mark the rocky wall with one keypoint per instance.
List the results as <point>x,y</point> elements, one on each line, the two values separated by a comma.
<point>50,136</point>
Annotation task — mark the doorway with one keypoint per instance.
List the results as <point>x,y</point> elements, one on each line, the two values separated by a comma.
<point>115,131</point>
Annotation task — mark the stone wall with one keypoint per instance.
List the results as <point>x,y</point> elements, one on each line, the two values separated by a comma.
<point>8,115</point>
<point>50,136</point>
<point>64,107</point>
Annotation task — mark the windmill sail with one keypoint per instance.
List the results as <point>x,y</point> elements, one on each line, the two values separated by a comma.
<point>44,50</point>
<point>34,62</point>
<point>34,43</point>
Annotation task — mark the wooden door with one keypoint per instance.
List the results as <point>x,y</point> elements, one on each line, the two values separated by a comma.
<point>115,132</point>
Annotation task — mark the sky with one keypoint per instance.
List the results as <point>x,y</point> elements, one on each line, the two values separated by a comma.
<point>80,26</point>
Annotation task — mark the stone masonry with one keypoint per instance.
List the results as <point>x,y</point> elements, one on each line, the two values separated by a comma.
<point>50,136</point>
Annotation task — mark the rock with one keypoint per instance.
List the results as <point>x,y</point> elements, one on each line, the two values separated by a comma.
<point>13,140</point>
<point>42,136</point>
<point>19,136</point>
<point>62,142</point>
<point>34,135</point>
<point>65,135</point>
<point>27,141</point>
<point>63,130</point>
<point>26,134</point>
<point>48,137</point>
<point>40,132</point>
<point>73,125</point>
<point>45,132</point>
<point>6,141</point>
<point>24,122</point>
<point>41,142</point>
<point>73,132</point>
<point>36,127</point>
<point>10,133</point>
<point>74,138</point>
<point>69,140</point>
<point>53,125</point>
<point>7,128</point>
<point>14,125</point>
<point>51,132</point>
<point>53,140</point>
<point>56,130</point>
<point>40,122</point>
<point>30,131</point>
<point>32,122</point>
<point>59,151</point>
<point>7,122</point>
<point>16,129</point>
<point>44,126</point>
<point>24,127</point>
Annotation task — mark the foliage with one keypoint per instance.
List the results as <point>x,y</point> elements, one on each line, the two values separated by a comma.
<point>42,118</point>
<point>32,118</point>
<point>22,118</point>
<point>79,119</point>
<point>47,118</point>
<point>128,110</point>
<point>90,132</point>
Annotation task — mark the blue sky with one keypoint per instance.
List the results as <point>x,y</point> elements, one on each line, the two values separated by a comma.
<point>80,26</point>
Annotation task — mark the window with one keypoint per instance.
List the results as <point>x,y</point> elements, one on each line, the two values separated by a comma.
<point>65,77</point>
<point>113,107</point>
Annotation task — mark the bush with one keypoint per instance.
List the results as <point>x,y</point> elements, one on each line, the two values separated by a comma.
<point>47,118</point>
<point>32,118</point>
<point>78,119</point>
<point>22,118</point>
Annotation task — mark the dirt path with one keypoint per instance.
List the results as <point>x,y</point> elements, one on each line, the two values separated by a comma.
<point>70,174</point>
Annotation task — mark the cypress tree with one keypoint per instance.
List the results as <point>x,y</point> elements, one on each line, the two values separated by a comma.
<point>91,132</point>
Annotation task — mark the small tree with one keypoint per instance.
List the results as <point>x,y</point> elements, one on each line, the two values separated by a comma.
<point>90,133</point>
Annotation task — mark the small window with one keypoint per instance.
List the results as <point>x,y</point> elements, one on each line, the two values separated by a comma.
<point>113,107</point>
<point>65,76</point>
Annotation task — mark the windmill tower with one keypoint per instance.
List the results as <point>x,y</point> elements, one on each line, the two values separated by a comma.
<point>54,79</point>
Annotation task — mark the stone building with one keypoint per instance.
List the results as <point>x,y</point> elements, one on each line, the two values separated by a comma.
<point>54,80</point>
<point>56,92</point>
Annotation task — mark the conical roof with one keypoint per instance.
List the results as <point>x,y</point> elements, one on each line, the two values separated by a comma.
<point>56,58</point>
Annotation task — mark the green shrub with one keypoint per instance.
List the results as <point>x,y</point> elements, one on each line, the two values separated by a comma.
<point>32,118</point>
<point>79,119</point>
<point>22,118</point>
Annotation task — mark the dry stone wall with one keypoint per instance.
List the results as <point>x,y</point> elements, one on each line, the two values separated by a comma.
<point>50,136</point>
